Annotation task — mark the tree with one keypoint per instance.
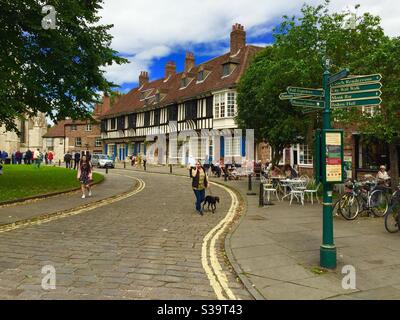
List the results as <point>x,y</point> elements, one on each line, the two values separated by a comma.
<point>54,71</point>
<point>259,107</point>
<point>295,59</point>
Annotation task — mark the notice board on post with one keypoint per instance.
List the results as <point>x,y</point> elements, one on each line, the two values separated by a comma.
<point>332,150</point>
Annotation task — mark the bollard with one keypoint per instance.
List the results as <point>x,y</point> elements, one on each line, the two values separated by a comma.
<point>170,168</point>
<point>59,163</point>
<point>106,170</point>
<point>261,198</point>
<point>226,174</point>
<point>124,164</point>
<point>250,191</point>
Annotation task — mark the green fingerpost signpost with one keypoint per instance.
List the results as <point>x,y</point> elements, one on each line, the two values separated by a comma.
<point>339,91</point>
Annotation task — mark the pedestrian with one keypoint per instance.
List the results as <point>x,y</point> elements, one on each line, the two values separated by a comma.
<point>37,158</point>
<point>4,156</point>
<point>199,184</point>
<point>144,162</point>
<point>133,160</point>
<point>29,156</point>
<point>50,157</point>
<point>1,169</point>
<point>67,160</point>
<point>77,159</point>
<point>13,158</point>
<point>18,156</point>
<point>85,176</point>
<point>46,158</point>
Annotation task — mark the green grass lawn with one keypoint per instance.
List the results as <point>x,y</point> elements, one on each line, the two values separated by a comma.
<point>22,181</point>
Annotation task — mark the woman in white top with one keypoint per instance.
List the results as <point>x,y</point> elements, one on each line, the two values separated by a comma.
<point>382,176</point>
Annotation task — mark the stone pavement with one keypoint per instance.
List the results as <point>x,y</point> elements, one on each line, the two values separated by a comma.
<point>148,246</point>
<point>276,248</point>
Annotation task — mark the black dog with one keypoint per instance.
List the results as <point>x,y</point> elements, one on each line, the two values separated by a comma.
<point>210,200</point>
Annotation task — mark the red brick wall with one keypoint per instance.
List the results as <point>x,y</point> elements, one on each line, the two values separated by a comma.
<point>87,137</point>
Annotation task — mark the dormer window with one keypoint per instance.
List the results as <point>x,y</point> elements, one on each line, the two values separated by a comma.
<point>226,71</point>
<point>157,97</point>
<point>201,76</point>
<point>184,82</point>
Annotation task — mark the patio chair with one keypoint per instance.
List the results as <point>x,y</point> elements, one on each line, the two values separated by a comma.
<point>310,193</point>
<point>268,188</point>
<point>297,190</point>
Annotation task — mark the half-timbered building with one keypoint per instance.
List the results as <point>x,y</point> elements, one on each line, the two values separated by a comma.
<point>201,97</point>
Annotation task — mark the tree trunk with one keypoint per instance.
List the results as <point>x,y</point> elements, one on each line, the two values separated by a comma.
<point>394,165</point>
<point>276,155</point>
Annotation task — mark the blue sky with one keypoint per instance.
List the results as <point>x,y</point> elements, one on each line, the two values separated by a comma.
<point>150,33</point>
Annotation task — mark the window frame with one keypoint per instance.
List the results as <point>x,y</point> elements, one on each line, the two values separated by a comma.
<point>76,142</point>
<point>98,139</point>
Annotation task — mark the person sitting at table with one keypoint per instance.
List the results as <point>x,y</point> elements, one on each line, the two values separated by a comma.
<point>290,173</point>
<point>275,172</point>
<point>383,177</point>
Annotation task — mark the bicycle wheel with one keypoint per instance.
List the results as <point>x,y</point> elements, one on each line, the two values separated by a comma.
<point>349,206</point>
<point>336,208</point>
<point>379,203</point>
<point>392,221</point>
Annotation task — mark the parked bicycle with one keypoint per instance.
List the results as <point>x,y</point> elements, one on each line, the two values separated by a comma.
<point>363,196</point>
<point>392,217</point>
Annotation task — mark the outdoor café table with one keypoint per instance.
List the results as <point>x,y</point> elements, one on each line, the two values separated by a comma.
<point>298,184</point>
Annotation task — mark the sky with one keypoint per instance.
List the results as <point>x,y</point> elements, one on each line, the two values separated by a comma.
<point>150,33</point>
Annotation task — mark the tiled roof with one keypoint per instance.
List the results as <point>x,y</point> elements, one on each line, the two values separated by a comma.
<point>58,129</point>
<point>171,91</point>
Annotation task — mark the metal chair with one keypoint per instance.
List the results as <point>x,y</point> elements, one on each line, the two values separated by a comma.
<point>310,193</point>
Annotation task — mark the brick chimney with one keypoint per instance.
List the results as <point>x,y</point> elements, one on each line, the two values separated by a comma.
<point>170,69</point>
<point>106,105</point>
<point>238,38</point>
<point>189,61</point>
<point>143,78</point>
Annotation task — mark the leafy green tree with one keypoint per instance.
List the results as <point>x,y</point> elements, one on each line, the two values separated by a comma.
<point>54,71</point>
<point>259,107</point>
<point>295,59</point>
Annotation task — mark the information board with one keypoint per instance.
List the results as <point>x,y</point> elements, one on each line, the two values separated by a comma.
<point>333,162</point>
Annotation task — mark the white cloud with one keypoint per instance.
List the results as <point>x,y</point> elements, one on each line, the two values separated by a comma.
<point>146,30</point>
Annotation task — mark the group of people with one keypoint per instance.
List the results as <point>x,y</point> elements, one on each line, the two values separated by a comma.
<point>138,160</point>
<point>35,157</point>
<point>74,158</point>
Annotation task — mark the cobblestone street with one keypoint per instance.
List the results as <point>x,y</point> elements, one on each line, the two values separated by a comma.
<point>147,246</point>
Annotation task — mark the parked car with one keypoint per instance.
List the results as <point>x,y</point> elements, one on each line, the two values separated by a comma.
<point>102,161</point>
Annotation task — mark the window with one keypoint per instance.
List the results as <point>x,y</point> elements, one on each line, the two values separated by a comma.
<point>78,142</point>
<point>370,111</point>
<point>226,70</point>
<point>216,105</point>
<point>184,82</point>
<point>225,105</point>
<point>305,155</point>
<point>89,127</point>
<point>232,147</point>
<point>49,142</point>
<point>200,76</point>
<point>113,123</point>
<point>61,141</point>
<point>98,142</point>
<point>73,127</point>
<point>230,110</point>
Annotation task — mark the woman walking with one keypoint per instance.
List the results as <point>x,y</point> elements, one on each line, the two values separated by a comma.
<point>85,174</point>
<point>199,185</point>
